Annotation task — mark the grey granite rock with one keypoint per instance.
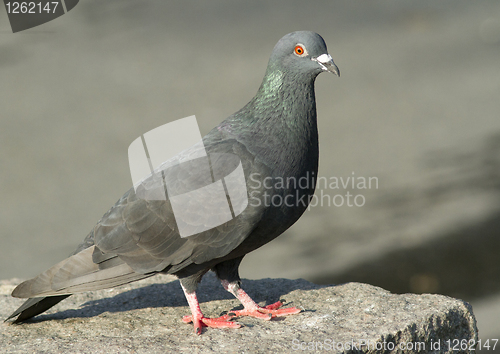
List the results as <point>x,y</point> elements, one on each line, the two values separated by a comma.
<point>145,317</point>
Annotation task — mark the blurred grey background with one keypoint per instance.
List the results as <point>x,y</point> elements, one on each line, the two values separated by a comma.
<point>417,107</point>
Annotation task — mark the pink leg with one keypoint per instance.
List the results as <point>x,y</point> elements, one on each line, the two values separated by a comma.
<point>200,321</point>
<point>252,309</point>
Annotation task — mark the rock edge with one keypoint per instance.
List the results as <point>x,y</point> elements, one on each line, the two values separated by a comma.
<point>145,317</point>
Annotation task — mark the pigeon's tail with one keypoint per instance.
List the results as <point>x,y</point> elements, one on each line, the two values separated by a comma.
<point>79,273</point>
<point>35,306</point>
<point>75,274</point>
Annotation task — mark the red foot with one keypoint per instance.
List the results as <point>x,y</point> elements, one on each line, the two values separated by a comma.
<point>220,322</point>
<point>266,313</point>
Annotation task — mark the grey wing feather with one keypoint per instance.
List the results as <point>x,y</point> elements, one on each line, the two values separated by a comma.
<point>145,235</point>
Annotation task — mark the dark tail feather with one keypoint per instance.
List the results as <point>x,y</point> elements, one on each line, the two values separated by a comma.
<point>35,306</point>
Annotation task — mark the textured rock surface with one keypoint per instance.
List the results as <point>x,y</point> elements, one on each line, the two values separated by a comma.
<point>145,317</point>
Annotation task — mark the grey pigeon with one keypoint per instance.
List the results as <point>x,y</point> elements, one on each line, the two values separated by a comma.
<point>274,136</point>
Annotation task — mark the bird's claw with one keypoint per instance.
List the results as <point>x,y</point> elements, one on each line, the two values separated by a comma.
<point>219,322</point>
<point>266,312</point>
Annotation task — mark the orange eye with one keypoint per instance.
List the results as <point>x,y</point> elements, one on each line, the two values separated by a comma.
<point>299,50</point>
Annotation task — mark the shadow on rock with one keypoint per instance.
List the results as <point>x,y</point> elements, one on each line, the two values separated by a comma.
<point>171,295</point>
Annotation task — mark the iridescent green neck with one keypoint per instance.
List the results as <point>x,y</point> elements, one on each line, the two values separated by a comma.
<point>273,82</point>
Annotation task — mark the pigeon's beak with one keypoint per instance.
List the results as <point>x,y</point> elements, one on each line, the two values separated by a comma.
<point>327,64</point>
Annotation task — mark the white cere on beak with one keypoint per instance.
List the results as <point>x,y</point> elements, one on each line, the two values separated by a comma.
<point>327,64</point>
<point>324,58</point>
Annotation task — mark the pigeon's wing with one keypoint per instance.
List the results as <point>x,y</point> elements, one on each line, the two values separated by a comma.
<point>140,236</point>
<point>205,215</point>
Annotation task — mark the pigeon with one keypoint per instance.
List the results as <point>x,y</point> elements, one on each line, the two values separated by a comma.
<point>275,140</point>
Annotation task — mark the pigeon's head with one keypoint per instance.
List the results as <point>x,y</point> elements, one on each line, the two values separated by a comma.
<point>303,53</point>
